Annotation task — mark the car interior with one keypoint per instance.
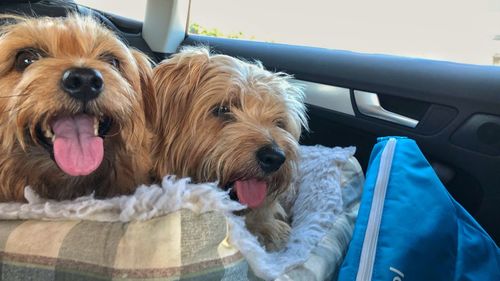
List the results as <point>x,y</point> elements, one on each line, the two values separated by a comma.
<point>451,110</point>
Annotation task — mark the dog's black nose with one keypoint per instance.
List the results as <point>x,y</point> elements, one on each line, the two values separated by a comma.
<point>270,158</point>
<point>83,84</point>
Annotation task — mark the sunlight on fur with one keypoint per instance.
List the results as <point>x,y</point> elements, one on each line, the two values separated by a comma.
<point>226,120</point>
<point>71,109</point>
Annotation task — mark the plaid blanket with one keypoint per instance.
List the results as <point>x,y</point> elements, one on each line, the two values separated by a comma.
<point>178,246</point>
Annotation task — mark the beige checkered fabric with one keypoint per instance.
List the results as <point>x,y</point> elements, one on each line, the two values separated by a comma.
<point>179,246</point>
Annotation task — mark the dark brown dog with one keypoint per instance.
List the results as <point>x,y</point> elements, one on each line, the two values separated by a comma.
<point>72,110</point>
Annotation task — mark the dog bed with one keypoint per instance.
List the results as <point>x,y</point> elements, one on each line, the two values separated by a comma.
<point>183,231</point>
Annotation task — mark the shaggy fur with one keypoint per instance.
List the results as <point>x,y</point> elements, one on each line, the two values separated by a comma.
<point>195,140</point>
<point>31,98</point>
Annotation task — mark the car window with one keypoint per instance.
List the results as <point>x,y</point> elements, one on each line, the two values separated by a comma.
<point>459,31</point>
<point>134,9</point>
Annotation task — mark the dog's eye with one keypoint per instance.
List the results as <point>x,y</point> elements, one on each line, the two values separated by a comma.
<point>112,60</point>
<point>115,63</point>
<point>26,57</point>
<point>280,123</point>
<point>223,112</point>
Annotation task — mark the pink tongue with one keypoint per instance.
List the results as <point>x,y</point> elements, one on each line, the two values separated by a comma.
<point>251,192</point>
<point>78,152</point>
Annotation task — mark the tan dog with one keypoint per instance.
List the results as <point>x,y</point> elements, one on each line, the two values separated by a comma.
<point>72,100</point>
<point>220,118</point>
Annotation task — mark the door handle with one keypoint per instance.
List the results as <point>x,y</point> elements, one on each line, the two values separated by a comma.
<point>368,104</point>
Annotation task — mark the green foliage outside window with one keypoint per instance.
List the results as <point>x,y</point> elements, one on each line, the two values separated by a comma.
<point>195,28</point>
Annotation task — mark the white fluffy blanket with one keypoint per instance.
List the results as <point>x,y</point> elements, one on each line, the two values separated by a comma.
<point>318,204</point>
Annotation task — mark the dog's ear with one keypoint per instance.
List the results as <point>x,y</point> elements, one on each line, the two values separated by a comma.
<point>147,90</point>
<point>7,21</point>
<point>175,80</point>
<point>167,83</point>
<point>294,96</point>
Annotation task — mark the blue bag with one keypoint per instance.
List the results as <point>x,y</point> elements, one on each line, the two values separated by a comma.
<point>409,228</point>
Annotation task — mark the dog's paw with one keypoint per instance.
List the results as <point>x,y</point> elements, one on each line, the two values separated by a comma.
<point>276,235</point>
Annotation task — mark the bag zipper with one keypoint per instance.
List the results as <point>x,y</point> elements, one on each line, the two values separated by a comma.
<point>369,248</point>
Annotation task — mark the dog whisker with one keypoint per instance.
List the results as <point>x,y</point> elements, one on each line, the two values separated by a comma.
<point>15,110</point>
<point>13,96</point>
